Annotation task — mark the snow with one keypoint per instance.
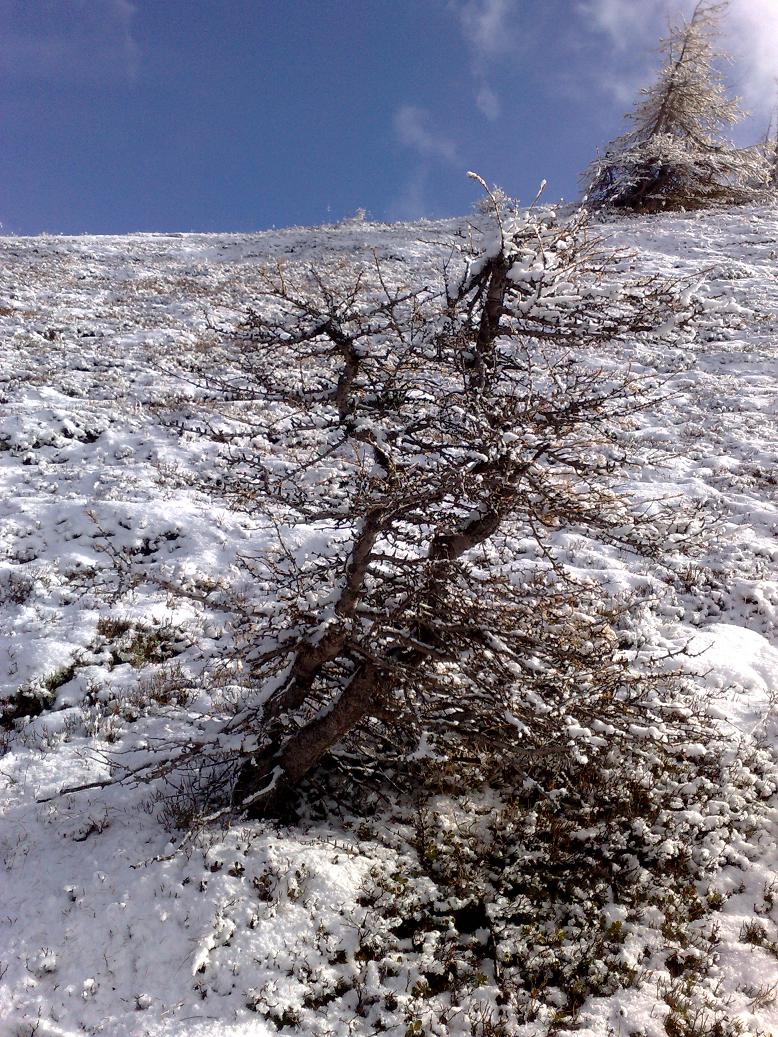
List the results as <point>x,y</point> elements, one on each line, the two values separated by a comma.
<point>115,570</point>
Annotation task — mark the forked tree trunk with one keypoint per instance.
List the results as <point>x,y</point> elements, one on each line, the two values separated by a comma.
<point>266,779</point>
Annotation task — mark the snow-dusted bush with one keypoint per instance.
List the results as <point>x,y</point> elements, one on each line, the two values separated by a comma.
<point>495,915</point>
<point>676,154</point>
<point>496,199</point>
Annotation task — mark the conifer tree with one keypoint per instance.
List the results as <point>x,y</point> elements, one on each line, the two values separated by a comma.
<point>676,155</point>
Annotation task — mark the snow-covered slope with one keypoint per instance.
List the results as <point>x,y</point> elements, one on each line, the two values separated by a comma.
<point>115,577</point>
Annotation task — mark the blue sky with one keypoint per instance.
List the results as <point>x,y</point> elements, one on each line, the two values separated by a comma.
<point>126,115</point>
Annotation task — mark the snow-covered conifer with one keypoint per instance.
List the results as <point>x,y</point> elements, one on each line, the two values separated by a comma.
<point>676,154</point>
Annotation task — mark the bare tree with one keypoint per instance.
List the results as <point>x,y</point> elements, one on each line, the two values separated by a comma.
<point>414,453</point>
<point>676,154</point>
<point>409,446</point>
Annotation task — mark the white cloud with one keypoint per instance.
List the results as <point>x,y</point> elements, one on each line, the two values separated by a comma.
<point>752,38</point>
<point>488,25</point>
<point>633,31</point>
<point>413,201</point>
<point>489,30</point>
<point>626,22</point>
<point>84,40</point>
<point>488,102</point>
<point>413,127</point>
